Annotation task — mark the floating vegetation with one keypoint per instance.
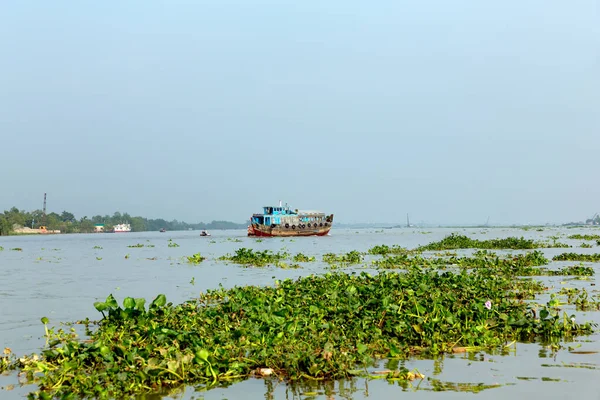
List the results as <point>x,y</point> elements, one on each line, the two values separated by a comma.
<point>17,249</point>
<point>1,248</point>
<point>98,258</point>
<point>150,245</point>
<point>580,298</point>
<point>586,245</point>
<point>126,256</point>
<point>584,237</point>
<point>195,258</point>
<point>283,265</point>
<point>235,240</point>
<point>97,247</point>
<point>384,250</point>
<point>253,258</point>
<point>319,327</point>
<point>352,257</point>
<point>577,257</point>
<point>517,265</point>
<point>455,241</point>
<point>136,245</point>
<point>172,243</point>
<point>302,258</point>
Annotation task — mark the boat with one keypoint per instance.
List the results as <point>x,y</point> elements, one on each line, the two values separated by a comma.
<point>283,221</point>
<point>162,230</point>
<point>120,228</point>
<point>204,233</point>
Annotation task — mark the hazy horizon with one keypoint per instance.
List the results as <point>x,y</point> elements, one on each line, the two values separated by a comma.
<point>197,111</point>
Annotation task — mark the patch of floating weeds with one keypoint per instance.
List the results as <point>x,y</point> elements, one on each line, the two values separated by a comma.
<point>384,250</point>
<point>235,240</point>
<point>283,265</point>
<point>441,386</point>
<point>136,245</point>
<point>17,249</point>
<point>97,247</point>
<point>172,243</point>
<point>581,299</point>
<point>1,248</point>
<point>98,258</point>
<point>126,256</point>
<point>249,257</point>
<point>150,245</point>
<point>586,245</point>
<point>195,258</point>
<point>577,257</point>
<point>318,327</point>
<point>584,237</point>
<point>352,257</point>
<point>302,258</point>
<point>517,265</point>
<point>455,241</point>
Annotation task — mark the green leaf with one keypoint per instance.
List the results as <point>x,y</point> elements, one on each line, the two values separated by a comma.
<point>361,348</point>
<point>111,302</point>
<point>100,306</point>
<point>139,304</point>
<point>128,302</point>
<point>159,301</point>
<point>544,314</point>
<point>44,320</point>
<point>202,354</point>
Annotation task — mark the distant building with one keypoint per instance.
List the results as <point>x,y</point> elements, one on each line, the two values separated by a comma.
<point>99,228</point>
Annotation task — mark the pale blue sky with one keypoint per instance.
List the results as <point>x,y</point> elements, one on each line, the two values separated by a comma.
<point>451,111</point>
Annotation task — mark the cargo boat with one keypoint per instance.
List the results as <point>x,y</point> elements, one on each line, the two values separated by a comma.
<point>283,221</point>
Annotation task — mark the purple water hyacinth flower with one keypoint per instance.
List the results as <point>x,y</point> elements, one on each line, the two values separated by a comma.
<point>488,305</point>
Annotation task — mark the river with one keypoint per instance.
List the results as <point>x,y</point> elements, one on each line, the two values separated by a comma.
<point>61,276</point>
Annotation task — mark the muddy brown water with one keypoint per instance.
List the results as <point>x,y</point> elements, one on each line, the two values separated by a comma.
<point>61,276</point>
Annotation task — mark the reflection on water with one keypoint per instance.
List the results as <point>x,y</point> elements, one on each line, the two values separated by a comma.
<point>61,276</point>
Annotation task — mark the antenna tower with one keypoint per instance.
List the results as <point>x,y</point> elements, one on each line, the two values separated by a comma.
<point>44,211</point>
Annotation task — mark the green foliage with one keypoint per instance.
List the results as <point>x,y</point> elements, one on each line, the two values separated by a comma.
<point>577,257</point>
<point>384,250</point>
<point>172,243</point>
<point>136,245</point>
<point>249,257</point>
<point>455,241</point>
<point>584,237</point>
<point>67,223</point>
<point>302,258</point>
<point>352,257</point>
<point>321,327</point>
<point>195,258</point>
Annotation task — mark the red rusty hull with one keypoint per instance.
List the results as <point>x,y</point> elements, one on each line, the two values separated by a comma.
<point>264,231</point>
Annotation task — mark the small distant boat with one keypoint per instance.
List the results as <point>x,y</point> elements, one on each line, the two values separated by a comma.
<point>163,230</point>
<point>120,228</point>
<point>204,233</point>
<point>283,221</point>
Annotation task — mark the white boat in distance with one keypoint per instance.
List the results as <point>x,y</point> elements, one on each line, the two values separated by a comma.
<point>120,228</point>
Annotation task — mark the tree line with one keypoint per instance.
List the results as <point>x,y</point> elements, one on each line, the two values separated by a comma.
<point>67,223</point>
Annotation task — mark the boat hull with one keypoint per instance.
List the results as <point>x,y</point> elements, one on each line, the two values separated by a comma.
<point>267,231</point>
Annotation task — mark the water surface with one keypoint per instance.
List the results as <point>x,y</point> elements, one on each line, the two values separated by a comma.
<point>61,276</point>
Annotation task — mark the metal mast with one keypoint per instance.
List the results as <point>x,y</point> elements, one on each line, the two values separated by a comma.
<point>44,212</point>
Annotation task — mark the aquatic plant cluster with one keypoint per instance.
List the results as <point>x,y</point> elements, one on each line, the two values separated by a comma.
<point>316,327</point>
<point>455,241</point>
<point>319,327</point>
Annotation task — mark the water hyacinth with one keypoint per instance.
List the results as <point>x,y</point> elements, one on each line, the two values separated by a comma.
<point>318,327</point>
